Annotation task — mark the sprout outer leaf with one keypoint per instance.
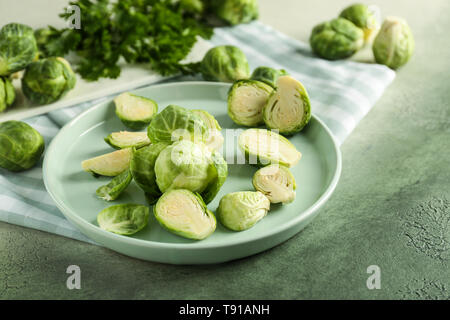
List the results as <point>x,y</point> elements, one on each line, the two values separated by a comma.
<point>115,187</point>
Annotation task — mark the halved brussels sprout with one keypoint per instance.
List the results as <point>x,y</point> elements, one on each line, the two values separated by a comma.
<point>124,219</point>
<point>362,17</point>
<point>246,100</point>
<point>48,80</point>
<point>176,123</point>
<point>240,211</point>
<point>113,189</point>
<point>142,168</point>
<point>288,108</point>
<point>17,48</point>
<point>184,213</point>
<point>276,182</point>
<point>7,93</point>
<point>134,111</point>
<point>21,146</point>
<point>225,63</point>
<point>336,39</point>
<point>237,11</point>
<point>215,138</point>
<point>265,147</point>
<point>109,164</point>
<point>125,139</point>
<point>184,165</point>
<point>268,75</point>
<point>394,43</point>
<point>221,167</point>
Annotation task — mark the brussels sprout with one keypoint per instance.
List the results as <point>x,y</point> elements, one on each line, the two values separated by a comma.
<point>221,168</point>
<point>268,147</point>
<point>125,139</point>
<point>225,63</point>
<point>268,75</point>
<point>192,6</point>
<point>184,165</point>
<point>237,11</point>
<point>142,168</point>
<point>215,139</point>
<point>21,146</point>
<point>17,48</point>
<point>176,123</point>
<point>48,80</point>
<point>118,184</point>
<point>240,211</point>
<point>276,182</point>
<point>362,17</point>
<point>135,112</point>
<point>124,219</point>
<point>394,44</point>
<point>246,100</point>
<point>110,164</point>
<point>7,93</point>
<point>336,39</point>
<point>288,108</point>
<point>185,214</point>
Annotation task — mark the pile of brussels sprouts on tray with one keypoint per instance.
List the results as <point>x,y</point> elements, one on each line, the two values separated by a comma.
<point>355,27</point>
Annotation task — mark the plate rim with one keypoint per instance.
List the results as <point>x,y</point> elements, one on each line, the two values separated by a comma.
<point>77,220</point>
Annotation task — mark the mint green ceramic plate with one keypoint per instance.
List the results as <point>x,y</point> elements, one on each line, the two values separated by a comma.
<point>73,190</point>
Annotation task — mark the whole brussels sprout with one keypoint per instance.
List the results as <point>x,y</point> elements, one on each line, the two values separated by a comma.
<point>21,146</point>
<point>176,123</point>
<point>221,173</point>
<point>185,214</point>
<point>17,48</point>
<point>394,43</point>
<point>215,138</point>
<point>47,80</point>
<point>268,75</point>
<point>362,17</point>
<point>124,219</point>
<point>276,182</point>
<point>240,211</point>
<point>7,93</point>
<point>192,6</point>
<point>336,39</point>
<point>225,63</point>
<point>237,11</point>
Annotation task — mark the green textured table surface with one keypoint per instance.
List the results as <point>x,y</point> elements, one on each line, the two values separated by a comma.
<point>391,208</point>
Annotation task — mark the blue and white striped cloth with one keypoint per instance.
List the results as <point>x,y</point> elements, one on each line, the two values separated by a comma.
<point>341,92</point>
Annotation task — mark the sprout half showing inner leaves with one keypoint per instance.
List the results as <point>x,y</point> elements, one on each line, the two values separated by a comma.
<point>362,17</point>
<point>125,139</point>
<point>7,93</point>
<point>134,111</point>
<point>265,147</point>
<point>185,214</point>
<point>125,219</point>
<point>246,100</point>
<point>276,182</point>
<point>242,210</point>
<point>110,164</point>
<point>21,146</point>
<point>118,184</point>
<point>288,108</point>
<point>268,75</point>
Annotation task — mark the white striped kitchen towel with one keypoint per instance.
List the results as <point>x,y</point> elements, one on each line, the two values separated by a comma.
<point>341,92</point>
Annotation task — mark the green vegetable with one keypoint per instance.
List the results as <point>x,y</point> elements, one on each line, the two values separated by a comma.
<point>118,184</point>
<point>336,39</point>
<point>225,63</point>
<point>21,146</point>
<point>142,168</point>
<point>185,214</point>
<point>246,100</point>
<point>236,11</point>
<point>276,182</point>
<point>362,17</point>
<point>47,80</point>
<point>394,44</point>
<point>268,75</point>
<point>175,123</point>
<point>288,109</point>
<point>125,139</point>
<point>110,164</point>
<point>265,147</point>
<point>215,138</point>
<point>240,211</point>
<point>124,219</point>
<point>17,48</point>
<point>134,111</point>
<point>221,168</point>
<point>7,93</point>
